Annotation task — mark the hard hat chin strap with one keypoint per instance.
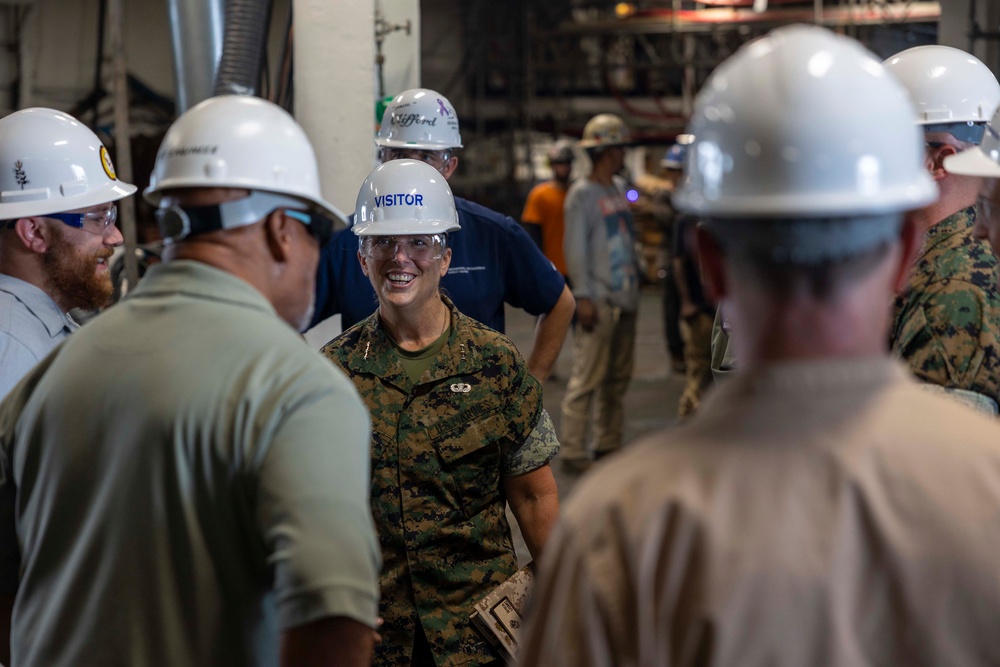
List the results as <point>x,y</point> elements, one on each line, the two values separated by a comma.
<point>970,132</point>
<point>179,222</point>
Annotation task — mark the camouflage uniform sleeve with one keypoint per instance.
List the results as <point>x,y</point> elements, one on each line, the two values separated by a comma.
<point>951,339</point>
<point>537,450</point>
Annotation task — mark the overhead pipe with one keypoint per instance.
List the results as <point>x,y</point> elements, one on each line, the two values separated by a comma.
<point>243,47</point>
<point>196,37</point>
<point>730,12</point>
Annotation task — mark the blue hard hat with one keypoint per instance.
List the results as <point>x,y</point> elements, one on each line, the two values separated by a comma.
<point>674,158</point>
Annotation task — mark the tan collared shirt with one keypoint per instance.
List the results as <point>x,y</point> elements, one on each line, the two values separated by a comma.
<point>811,514</point>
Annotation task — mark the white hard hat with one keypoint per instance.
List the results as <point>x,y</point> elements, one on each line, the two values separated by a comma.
<point>981,160</point>
<point>405,197</point>
<point>238,141</point>
<point>953,90</point>
<point>50,162</point>
<point>604,129</point>
<point>803,123</point>
<point>422,119</point>
<point>560,152</point>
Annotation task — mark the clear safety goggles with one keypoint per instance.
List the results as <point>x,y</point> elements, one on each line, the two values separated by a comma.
<point>418,247</point>
<point>436,159</point>
<point>95,222</point>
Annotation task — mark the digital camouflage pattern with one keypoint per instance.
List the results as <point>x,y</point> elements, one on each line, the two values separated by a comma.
<point>946,322</point>
<point>437,462</point>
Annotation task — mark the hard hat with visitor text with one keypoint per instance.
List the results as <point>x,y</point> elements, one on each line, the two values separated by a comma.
<point>404,197</point>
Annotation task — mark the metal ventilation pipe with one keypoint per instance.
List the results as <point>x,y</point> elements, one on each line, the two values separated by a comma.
<point>196,37</point>
<point>245,41</point>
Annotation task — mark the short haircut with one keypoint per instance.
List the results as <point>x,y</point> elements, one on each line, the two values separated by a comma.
<point>816,257</point>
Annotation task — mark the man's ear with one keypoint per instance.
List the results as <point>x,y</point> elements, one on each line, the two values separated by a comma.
<point>713,266</point>
<point>34,234</point>
<point>364,263</point>
<point>449,167</point>
<point>935,160</point>
<point>279,234</point>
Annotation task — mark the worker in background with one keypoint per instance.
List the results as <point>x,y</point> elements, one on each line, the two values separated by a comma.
<point>604,273</point>
<point>58,190</point>
<point>821,508</point>
<point>452,406</point>
<point>696,312</point>
<point>543,209</point>
<point>673,165</point>
<point>983,161</point>
<point>946,320</point>
<point>494,260</point>
<point>184,481</point>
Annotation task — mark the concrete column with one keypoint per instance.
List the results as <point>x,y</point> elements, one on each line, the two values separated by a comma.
<point>335,91</point>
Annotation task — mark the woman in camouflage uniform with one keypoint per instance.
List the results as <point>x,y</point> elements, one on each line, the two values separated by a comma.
<point>452,406</point>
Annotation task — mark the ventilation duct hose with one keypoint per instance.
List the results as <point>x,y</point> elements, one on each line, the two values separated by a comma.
<point>244,41</point>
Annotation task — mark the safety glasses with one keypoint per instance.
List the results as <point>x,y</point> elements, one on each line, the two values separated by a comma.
<point>436,159</point>
<point>95,222</point>
<point>419,248</point>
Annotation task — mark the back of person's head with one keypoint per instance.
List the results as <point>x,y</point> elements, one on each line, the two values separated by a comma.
<point>53,163</point>
<point>236,143</point>
<point>236,185</point>
<point>806,157</point>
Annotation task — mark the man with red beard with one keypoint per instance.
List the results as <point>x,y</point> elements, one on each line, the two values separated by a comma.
<point>57,193</point>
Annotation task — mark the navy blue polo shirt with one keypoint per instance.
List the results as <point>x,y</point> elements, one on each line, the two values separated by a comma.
<point>493,261</point>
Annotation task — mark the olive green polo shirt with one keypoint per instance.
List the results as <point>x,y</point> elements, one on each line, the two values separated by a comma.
<point>191,479</point>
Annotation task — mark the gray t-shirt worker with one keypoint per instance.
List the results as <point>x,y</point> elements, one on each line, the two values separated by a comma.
<point>186,479</point>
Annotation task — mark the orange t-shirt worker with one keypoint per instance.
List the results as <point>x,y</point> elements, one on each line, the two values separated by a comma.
<point>543,210</point>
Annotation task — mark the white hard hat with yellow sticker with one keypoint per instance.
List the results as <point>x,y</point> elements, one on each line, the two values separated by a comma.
<point>50,162</point>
